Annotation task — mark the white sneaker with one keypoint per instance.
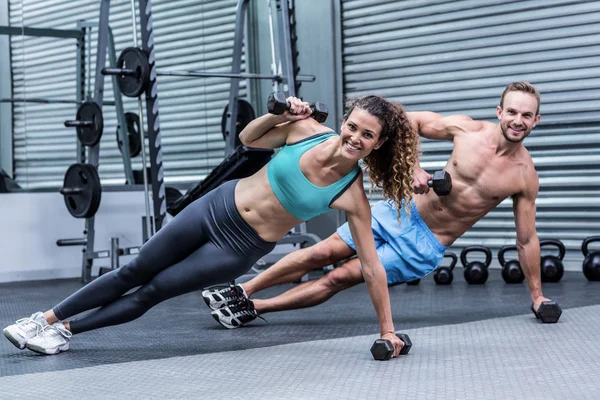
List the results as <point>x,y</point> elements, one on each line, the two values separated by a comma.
<point>220,297</point>
<point>52,339</point>
<point>25,329</point>
<point>234,316</point>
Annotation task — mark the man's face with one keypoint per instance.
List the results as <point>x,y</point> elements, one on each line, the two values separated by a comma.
<point>518,116</point>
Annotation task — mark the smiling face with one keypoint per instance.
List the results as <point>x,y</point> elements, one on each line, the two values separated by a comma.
<point>518,115</point>
<point>360,134</point>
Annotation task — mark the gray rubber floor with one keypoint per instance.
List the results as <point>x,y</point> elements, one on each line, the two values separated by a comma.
<point>468,342</point>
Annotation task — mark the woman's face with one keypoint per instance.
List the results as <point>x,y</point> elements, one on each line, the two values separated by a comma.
<point>360,134</point>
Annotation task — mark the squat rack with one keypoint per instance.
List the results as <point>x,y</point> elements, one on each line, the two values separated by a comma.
<point>106,40</point>
<point>286,78</point>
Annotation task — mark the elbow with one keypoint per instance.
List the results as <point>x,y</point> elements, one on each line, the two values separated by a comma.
<point>244,139</point>
<point>531,240</point>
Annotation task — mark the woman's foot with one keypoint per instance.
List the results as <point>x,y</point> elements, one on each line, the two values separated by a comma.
<point>234,316</point>
<point>25,329</point>
<point>220,297</point>
<point>52,339</point>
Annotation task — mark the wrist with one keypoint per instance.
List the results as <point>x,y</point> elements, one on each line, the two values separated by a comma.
<point>277,119</point>
<point>536,294</point>
<point>386,331</point>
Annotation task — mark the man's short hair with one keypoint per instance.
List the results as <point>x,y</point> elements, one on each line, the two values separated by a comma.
<point>524,87</point>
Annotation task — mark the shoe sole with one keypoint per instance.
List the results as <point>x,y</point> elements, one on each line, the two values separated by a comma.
<point>228,326</point>
<point>207,300</point>
<point>48,352</point>
<point>13,340</point>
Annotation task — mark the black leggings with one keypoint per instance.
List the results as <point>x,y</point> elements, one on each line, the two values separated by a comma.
<point>207,243</point>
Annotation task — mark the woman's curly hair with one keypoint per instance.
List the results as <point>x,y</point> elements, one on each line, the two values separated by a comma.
<point>391,167</point>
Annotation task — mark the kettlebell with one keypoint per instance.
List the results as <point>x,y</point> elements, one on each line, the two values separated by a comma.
<point>476,272</point>
<point>443,274</point>
<point>591,263</point>
<point>511,270</point>
<point>552,268</point>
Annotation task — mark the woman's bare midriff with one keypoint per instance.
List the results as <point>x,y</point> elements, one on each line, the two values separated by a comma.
<point>258,205</point>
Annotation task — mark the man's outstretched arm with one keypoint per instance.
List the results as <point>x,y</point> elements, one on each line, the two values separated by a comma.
<point>528,243</point>
<point>437,127</point>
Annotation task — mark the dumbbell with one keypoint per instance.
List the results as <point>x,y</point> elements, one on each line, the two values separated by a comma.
<point>476,272</point>
<point>548,312</point>
<point>591,263</point>
<point>511,270</point>
<point>383,349</point>
<point>277,104</point>
<point>443,275</point>
<point>552,268</point>
<point>441,183</point>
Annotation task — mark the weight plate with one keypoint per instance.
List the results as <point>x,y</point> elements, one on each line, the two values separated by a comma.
<point>133,133</point>
<point>245,115</point>
<point>90,135</point>
<point>137,60</point>
<point>82,190</point>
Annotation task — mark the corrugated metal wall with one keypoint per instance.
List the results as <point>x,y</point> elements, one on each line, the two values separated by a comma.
<point>189,35</point>
<point>456,57</point>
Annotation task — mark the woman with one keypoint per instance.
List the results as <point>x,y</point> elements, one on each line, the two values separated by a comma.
<point>221,235</point>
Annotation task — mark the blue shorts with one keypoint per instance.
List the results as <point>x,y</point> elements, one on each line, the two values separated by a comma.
<point>407,251</point>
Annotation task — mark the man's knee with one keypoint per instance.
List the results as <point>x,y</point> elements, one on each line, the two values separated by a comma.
<point>343,277</point>
<point>320,254</point>
<point>329,251</point>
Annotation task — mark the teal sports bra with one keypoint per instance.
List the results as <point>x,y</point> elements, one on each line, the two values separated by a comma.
<point>299,196</point>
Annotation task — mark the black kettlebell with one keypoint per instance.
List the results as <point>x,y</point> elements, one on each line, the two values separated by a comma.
<point>476,272</point>
<point>443,274</point>
<point>591,263</point>
<point>552,268</point>
<point>511,270</point>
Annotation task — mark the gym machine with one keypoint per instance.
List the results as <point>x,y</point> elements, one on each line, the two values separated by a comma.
<point>81,187</point>
<point>136,73</point>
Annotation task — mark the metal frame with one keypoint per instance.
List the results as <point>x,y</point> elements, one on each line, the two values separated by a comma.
<point>93,154</point>
<point>105,43</point>
<point>94,151</point>
<point>287,79</point>
<point>118,103</point>
<point>6,120</point>
<point>45,32</point>
<point>152,120</point>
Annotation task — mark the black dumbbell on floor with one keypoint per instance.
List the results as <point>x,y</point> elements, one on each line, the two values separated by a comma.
<point>441,183</point>
<point>277,104</point>
<point>548,312</point>
<point>383,349</point>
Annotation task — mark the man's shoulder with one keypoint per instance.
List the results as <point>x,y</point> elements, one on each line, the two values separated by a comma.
<point>530,175</point>
<point>525,156</point>
<point>471,126</point>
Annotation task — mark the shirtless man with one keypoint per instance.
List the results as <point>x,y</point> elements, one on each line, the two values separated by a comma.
<point>488,164</point>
